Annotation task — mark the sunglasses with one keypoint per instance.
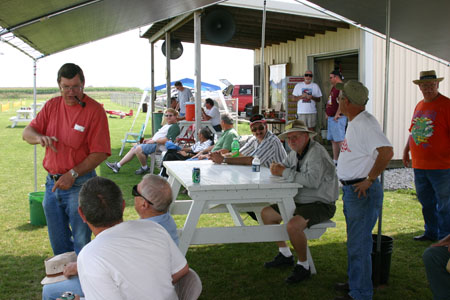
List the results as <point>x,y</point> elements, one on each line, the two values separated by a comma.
<point>135,193</point>
<point>260,128</point>
<point>168,116</point>
<point>308,75</point>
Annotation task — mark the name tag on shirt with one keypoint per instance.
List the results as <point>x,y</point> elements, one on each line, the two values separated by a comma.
<point>79,128</point>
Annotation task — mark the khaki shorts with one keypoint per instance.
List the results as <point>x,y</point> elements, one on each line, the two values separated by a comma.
<point>309,119</point>
<point>316,212</point>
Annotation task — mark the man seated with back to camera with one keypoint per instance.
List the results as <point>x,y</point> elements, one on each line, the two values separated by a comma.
<point>223,144</point>
<point>310,165</point>
<point>263,144</point>
<point>152,198</point>
<point>205,140</point>
<point>132,259</point>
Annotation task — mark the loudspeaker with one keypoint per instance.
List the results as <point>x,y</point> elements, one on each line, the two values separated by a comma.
<point>176,48</point>
<point>219,26</point>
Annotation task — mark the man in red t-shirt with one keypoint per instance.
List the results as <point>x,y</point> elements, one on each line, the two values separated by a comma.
<point>429,144</point>
<point>73,128</point>
<point>335,119</point>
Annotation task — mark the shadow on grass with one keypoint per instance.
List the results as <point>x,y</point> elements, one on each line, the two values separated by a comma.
<point>29,227</point>
<point>235,271</point>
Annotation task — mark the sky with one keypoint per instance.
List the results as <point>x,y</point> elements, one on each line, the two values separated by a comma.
<point>124,61</point>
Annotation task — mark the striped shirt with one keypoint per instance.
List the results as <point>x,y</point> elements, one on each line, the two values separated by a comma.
<point>268,151</point>
<point>199,146</point>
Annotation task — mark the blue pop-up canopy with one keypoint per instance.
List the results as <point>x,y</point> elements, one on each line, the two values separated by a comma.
<point>188,82</point>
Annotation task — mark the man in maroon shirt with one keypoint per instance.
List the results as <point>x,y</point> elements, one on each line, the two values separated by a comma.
<point>336,120</point>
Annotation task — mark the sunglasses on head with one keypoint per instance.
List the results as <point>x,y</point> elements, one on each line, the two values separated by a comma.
<point>308,75</point>
<point>135,193</point>
<point>260,128</point>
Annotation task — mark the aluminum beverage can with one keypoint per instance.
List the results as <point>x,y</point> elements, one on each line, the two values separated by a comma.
<point>196,175</point>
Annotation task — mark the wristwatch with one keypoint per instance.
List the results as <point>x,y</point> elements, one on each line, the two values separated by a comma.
<point>73,173</point>
<point>370,179</point>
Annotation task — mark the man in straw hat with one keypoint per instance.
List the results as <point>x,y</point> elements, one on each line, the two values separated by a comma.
<point>310,165</point>
<point>429,144</point>
<point>365,153</point>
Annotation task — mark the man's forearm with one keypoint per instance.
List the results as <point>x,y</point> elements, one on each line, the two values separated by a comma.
<point>90,163</point>
<point>30,135</point>
<point>384,157</point>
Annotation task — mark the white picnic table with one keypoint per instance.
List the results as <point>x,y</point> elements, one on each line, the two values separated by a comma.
<point>233,189</point>
<point>25,114</point>
<point>230,189</point>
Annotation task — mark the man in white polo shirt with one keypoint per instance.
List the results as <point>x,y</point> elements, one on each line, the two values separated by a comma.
<point>307,93</point>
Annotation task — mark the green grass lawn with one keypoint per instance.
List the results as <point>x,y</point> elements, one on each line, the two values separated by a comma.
<point>229,271</point>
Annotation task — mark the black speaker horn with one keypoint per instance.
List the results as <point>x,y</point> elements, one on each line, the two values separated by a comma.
<point>176,48</point>
<point>219,26</point>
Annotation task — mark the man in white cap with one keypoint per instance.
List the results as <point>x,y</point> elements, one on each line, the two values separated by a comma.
<point>429,144</point>
<point>365,153</point>
<point>310,165</point>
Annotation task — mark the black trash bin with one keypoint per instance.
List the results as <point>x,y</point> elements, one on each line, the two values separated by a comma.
<point>384,267</point>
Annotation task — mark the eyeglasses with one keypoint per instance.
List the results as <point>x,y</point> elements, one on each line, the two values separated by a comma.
<point>168,116</point>
<point>75,88</point>
<point>260,128</point>
<point>135,193</point>
<point>309,75</point>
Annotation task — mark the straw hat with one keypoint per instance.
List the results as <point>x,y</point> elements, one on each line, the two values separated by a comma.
<point>296,126</point>
<point>428,76</point>
<point>54,267</point>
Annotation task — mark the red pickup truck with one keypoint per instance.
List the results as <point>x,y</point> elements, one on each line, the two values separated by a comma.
<point>244,94</point>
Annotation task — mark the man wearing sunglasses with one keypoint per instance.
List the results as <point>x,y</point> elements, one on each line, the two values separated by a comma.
<point>307,93</point>
<point>170,131</point>
<point>152,198</point>
<point>263,144</point>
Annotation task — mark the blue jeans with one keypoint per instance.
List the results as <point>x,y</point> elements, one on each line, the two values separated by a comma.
<point>435,260</point>
<point>361,215</point>
<point>61,210</point>
<point>53,291</point>
<point>433,191</point>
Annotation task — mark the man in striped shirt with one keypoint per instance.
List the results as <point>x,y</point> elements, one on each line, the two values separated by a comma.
<point>263,144</point>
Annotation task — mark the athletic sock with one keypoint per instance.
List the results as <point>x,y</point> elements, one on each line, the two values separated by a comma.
<point>285,251</point>
<point>118,165</point>
<point>304,264</point>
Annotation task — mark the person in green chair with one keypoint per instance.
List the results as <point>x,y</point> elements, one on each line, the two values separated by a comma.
<point>170,131</point>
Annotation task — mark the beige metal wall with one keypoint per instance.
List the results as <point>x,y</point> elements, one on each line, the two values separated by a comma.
<point>297,52</point>
<point>405,66</point>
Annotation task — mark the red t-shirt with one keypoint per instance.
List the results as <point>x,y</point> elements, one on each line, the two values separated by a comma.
<point>430,135</point>
<point>332,104</point>
<point>80,131</point>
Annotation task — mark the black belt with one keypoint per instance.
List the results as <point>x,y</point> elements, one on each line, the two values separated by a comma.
<point>55,177</point>
<point>353,181</point>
